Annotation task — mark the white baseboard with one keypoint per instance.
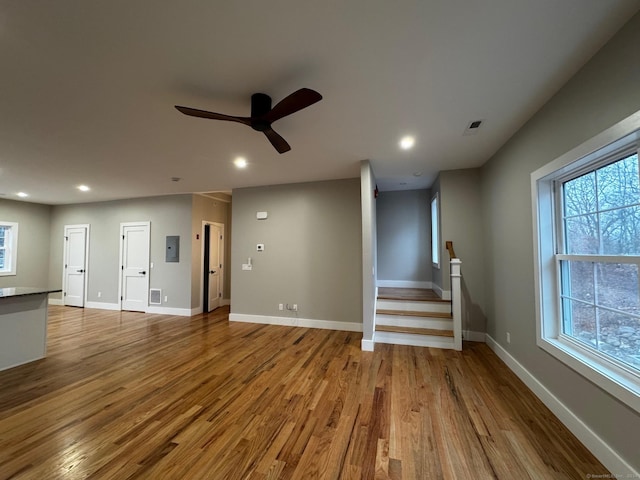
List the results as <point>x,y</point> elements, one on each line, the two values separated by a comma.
<point>55,301</point>
<point>443,294</point>
<point>182,312</point>
<point>196,311</point>
<point>103,305</point>
<point>609,457</point>
<point>403,284</point>
<point>296,322</point>
<point>368,345</point>
<point>471,336</point>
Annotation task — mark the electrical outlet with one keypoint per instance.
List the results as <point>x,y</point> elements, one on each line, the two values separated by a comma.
<point>280,306</point>
<point>295,307</point>
<point>99,294</point>
<point>508,337</point>
<point>165,299</point>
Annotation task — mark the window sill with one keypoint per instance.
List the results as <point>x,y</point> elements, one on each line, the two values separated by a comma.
<point>624,389</point>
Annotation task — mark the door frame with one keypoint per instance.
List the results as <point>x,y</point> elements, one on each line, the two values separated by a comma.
<point>87,228</point>
<point>222,269</point>
<point>120,259</point>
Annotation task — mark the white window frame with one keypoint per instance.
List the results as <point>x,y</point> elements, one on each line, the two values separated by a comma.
<point>435,231</point>
<point>613,377</point>
<point>12,249</point>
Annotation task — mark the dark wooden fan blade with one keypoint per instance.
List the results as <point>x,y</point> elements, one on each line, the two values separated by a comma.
<point>293,103</point>
<point>193,112</point>
<point>277,141</point>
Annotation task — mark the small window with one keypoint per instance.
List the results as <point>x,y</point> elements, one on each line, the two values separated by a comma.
<point>8,247</point>
<point>435,233</point>
<point>586,209</point>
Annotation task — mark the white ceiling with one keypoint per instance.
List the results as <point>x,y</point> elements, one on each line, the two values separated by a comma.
<point>87,88</point>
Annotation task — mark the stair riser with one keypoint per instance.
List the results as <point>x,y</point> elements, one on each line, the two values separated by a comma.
<point>414,340</point>
<point>406,305</point>
<point>416,322</point>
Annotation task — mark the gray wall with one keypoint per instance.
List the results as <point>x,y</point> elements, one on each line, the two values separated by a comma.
<point>461,222</point>
<point>210,210</point>
<point>404,235</point>
<point>169,215</point>
<point>313,251</point>
<point>604,92</point>
<point>33,243</point>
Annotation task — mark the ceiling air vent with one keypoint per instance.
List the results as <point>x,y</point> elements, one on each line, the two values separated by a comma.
<point>155,296</point>
<point>473,127</point>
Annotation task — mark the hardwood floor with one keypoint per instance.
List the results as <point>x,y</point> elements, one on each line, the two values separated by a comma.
<point>129,395</point>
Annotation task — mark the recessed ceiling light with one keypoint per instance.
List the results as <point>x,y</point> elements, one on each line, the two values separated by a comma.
<point>240,162</point>
<point>407,142</point>
<point>417,174</point>
<point>83,188</point>
<point>22,194</point>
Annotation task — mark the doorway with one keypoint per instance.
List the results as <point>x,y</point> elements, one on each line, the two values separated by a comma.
<point>134,266</point>
<point>74,281</point>
<point>212,265</point>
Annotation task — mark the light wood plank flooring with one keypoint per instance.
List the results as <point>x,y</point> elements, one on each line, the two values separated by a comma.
<point>128,395</point>
<point>415,294</point>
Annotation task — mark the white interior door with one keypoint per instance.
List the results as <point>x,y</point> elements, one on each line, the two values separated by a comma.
<point>75,264</point>
<point>215,266</point>
<point>135,266</point>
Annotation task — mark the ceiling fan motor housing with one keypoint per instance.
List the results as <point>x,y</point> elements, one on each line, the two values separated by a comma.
<point>260,106</point>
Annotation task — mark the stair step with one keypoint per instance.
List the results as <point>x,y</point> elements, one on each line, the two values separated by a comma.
<point>399,297</point>
<point>412,294</point>
<point>415,331</point>
<point>415,322</point>
<point>401,338</point>
<point>414,306</point>
<point>413,313</point>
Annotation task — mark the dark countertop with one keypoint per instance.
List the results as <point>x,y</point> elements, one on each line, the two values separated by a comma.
<point>9,292</point>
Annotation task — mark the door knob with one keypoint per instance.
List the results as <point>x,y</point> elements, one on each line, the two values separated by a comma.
<point>80,271</point>
<point>212,272</point>
<point>144,272</point>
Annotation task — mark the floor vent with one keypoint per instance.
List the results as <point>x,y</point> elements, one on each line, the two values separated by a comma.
<point>155,296</point>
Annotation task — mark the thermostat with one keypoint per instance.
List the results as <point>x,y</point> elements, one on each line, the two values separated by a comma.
<point>261,215</point>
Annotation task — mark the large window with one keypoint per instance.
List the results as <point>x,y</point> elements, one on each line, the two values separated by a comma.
<point>587,239</point>
<point>599,254</point>
<point>8,247</point>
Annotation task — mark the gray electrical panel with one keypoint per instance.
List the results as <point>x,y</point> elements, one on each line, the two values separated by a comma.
<point>172,253</point>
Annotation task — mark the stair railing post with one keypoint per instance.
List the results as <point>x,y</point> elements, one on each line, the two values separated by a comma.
<point>456,302</point>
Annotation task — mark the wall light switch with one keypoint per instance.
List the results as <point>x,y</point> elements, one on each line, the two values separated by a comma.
<point>247,266</point>
<point>260,247</point>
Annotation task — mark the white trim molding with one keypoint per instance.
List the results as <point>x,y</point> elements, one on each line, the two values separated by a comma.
<point>55,301</point>
<point>103,305</point>
<point>296,322</point>
<point>602,451</point>
<point>443,294</point>
<point>181,312</point>
<point>368,345</point>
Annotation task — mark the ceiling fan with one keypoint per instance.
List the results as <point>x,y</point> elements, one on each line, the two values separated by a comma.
<point>262,115</point>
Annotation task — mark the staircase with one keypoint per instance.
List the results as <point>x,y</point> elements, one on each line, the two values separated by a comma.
<point>415,317</point>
